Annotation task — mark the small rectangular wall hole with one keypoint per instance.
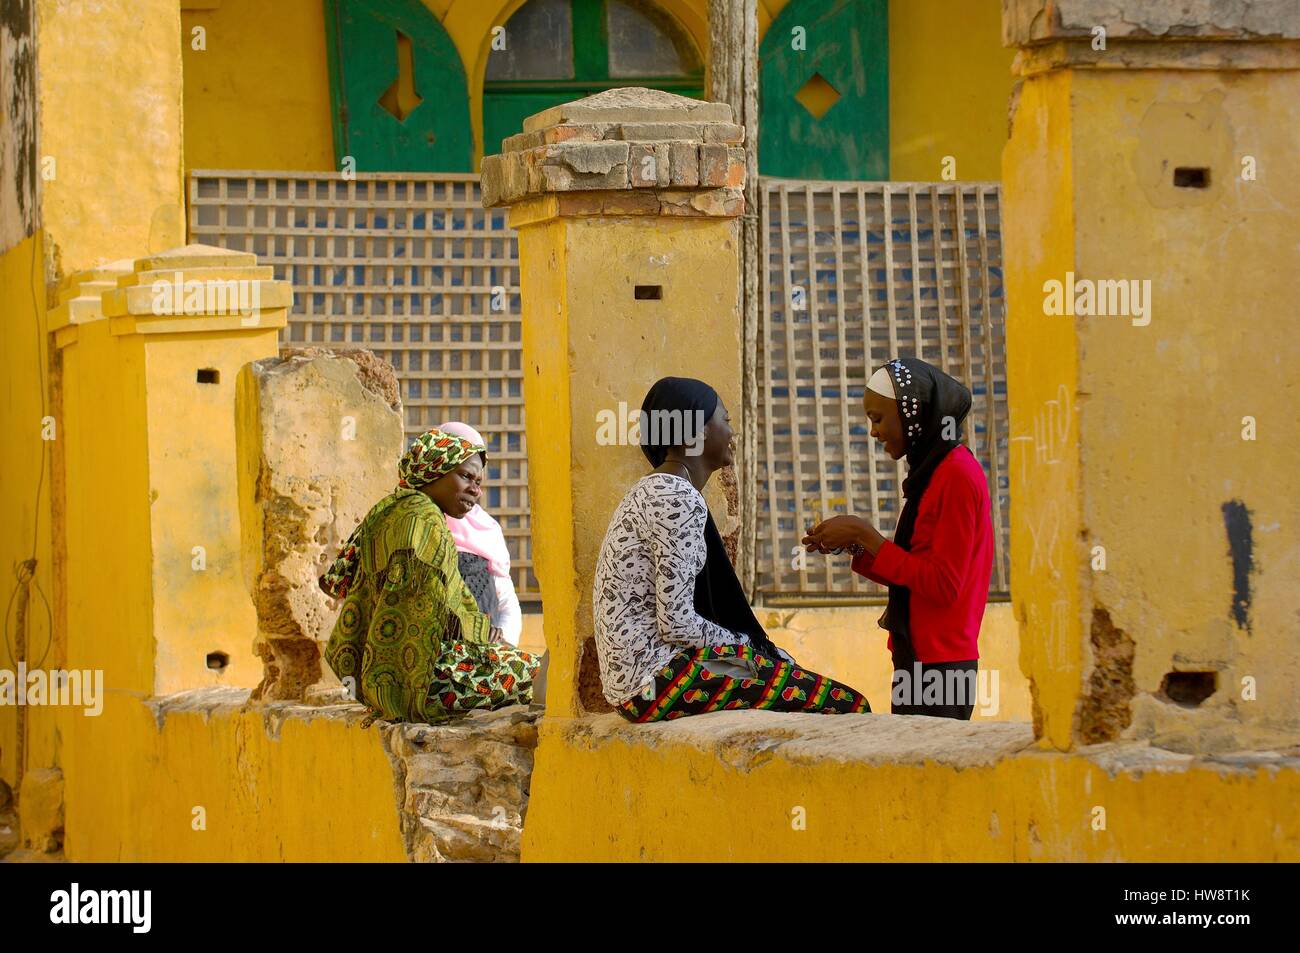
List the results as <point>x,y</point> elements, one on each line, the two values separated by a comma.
<point>1190,178</point>
<point>209,375</point>
<point>648,292</point>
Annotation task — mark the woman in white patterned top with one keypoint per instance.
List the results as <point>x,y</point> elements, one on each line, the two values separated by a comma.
<point>675,634</point>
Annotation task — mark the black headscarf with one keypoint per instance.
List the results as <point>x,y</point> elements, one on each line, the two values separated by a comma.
<point>932,406</point>
<point>719,596</point>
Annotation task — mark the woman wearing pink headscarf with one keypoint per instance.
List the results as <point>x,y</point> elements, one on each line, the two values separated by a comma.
<point>484,559</point>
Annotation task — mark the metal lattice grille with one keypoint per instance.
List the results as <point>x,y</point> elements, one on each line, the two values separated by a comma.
<point>412,267</point>
<point>856,273</point>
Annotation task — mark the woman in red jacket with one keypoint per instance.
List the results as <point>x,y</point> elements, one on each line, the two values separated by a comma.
<point>938,565</point>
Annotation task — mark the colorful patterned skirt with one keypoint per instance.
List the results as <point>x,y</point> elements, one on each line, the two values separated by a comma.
<point>470,675</point>
<point>686,687</point>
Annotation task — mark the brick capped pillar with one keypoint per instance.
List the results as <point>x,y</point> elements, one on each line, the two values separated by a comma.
<point>626,204</point>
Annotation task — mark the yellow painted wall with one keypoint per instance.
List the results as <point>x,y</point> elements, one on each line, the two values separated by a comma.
<point>949,86</point>
<point>870,792</point>
<point>1099,404</point>
<point>846,644</point>
<point>114,135</point>
<point>322,790</point>
<point>109,83</point>
<point>1221,345</point>
<point>258,96</point>
<point>195,502</point>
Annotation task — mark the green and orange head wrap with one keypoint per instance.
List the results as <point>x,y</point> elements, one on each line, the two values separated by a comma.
<point>432,454</point>
<point>429,456</point>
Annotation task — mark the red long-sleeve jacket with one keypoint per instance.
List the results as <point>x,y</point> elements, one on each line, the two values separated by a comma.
<point>949,564</point>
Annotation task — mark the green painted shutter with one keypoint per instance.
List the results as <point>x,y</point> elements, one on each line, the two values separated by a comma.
<point>363,40</point>
<point>845,63</point>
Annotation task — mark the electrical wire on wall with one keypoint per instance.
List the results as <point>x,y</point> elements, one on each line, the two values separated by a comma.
<point>18,609</point>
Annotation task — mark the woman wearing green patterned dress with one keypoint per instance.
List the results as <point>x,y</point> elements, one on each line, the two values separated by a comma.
<point>410,640</point>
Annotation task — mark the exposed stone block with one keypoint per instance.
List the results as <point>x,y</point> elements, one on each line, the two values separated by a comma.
<point>713,165</point>
<point>491,180</point>
<point>576,132</point>
<point>631,104</point>
<point>684,164</point>
<point>591,158</point>
<point>643,165</point>
<point>324,432</point>
<point>629,203</point>
<point>658,131</point>
<point>725,132</point>
<point>463,786</point>
<point>719,202</point>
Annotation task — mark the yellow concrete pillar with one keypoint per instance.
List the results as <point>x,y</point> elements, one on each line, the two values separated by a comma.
<point>151,350</point>
<point>626,205</point>
<point>1150,204</point>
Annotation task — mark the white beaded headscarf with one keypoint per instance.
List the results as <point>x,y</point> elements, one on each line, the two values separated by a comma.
<point>882,383</point>
<point>909,405</point>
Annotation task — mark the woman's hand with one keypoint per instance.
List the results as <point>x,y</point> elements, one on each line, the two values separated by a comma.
<point>842,532</point>
<point>496,635</point>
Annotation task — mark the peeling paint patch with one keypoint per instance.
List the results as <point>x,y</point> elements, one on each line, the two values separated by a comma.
<point>1105,711</point>
<point>590,689</point>
<point>1236,520</point>
<point>18,180</point>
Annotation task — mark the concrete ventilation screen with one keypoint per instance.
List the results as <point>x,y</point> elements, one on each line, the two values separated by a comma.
<point>856,273</point>
<point>412,267</point>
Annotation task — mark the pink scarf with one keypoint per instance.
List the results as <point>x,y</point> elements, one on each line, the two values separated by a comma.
<point>477,532</point>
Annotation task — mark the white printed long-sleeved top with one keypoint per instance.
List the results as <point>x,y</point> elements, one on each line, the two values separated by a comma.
<point>644,593</point>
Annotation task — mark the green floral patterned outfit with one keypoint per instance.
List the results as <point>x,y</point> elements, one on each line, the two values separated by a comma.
<point>409,634</point>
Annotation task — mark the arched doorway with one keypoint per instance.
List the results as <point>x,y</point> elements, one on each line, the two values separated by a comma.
<point>556,51</point>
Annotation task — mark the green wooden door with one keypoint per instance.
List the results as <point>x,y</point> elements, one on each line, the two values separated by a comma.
<point>397,88</point>
<point>824,91</point>
<point>556,51</point>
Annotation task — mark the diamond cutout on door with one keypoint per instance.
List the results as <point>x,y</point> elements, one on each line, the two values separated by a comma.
<point>817,95</point>
<point>400,99</point>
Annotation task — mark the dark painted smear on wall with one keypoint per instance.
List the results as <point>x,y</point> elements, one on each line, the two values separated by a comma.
<point>18,165</point>
<point>1236,519</point>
